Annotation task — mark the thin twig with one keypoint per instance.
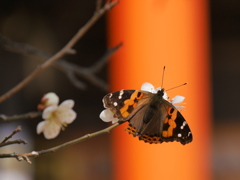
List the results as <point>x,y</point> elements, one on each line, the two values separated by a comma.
<point>71,70</point>
<point>26,156</point>
<point>18,129</point>
<point>78,140</point>
<point>88,73</point>
<point>30,115</point>
<point>98,4</point>
<point>19,157</point>
<point>99,64</point>
<point>17,141</point>
<point>75,81</point>
<point>61,52</point>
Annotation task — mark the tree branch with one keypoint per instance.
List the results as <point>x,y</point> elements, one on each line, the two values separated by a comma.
<point>17,141</point>
<point>18,129</point>
<point>71,70</point>
<point>26,156</point>
<point>29,115</point>
<point>6,141</point>
<point>61,52</point>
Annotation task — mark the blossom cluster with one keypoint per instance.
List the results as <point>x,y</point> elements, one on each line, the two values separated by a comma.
<point>56,117</point>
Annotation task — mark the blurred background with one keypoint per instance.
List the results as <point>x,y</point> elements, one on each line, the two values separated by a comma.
<point>48,26</point>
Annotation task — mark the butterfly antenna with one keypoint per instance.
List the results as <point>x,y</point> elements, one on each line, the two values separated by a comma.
<point>177,86</point>
<point>163,75</point>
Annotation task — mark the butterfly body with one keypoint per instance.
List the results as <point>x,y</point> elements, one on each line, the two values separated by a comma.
<point>151,118</point>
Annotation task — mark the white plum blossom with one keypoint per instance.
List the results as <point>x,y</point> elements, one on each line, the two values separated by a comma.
<point>178,100</point>
<point>56,118</point>
<point>108,116</point>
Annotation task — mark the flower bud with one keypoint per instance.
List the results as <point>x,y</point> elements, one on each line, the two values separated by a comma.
<point>48,99</point>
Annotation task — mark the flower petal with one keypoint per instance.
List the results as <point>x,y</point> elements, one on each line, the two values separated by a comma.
<point>51,130</point>
<point>48,111</point>
<point>107,116</point>
<point>148,87</point>
<point>67,104</point>
<point>40,127</point>
<point>66,116</point>
<point>177,99</point>
<point>114,120</point>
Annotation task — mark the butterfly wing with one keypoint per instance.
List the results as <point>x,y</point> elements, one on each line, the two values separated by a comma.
<point>166,124</point>
<point>147,124</point>
<point>125,103</point>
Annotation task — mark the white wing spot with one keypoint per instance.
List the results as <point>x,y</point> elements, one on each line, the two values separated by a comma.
<point>110,95</point>
<point>189,133</point>
<point>115,103</point>
<point>120,94</point>
<point>179,135</point>
<point>184,124</point>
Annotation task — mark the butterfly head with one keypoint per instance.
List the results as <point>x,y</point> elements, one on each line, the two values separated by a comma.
<point>161,92</point>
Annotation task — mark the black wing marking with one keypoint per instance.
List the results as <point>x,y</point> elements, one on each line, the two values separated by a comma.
<point>126,103</point>
<point>175,127</point>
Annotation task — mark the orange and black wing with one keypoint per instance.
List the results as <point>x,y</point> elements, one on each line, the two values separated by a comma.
<point>125,103</point>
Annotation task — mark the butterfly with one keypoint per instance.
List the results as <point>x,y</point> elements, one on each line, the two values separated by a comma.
<point>151,118</point>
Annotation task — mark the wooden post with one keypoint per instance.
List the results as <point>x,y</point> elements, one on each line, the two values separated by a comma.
<point>155,33</point>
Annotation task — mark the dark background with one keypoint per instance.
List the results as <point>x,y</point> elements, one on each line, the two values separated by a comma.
<point>225,57</point>
<point>48,25</point>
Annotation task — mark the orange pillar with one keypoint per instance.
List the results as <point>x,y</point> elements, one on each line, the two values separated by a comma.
<point>155,33</point>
